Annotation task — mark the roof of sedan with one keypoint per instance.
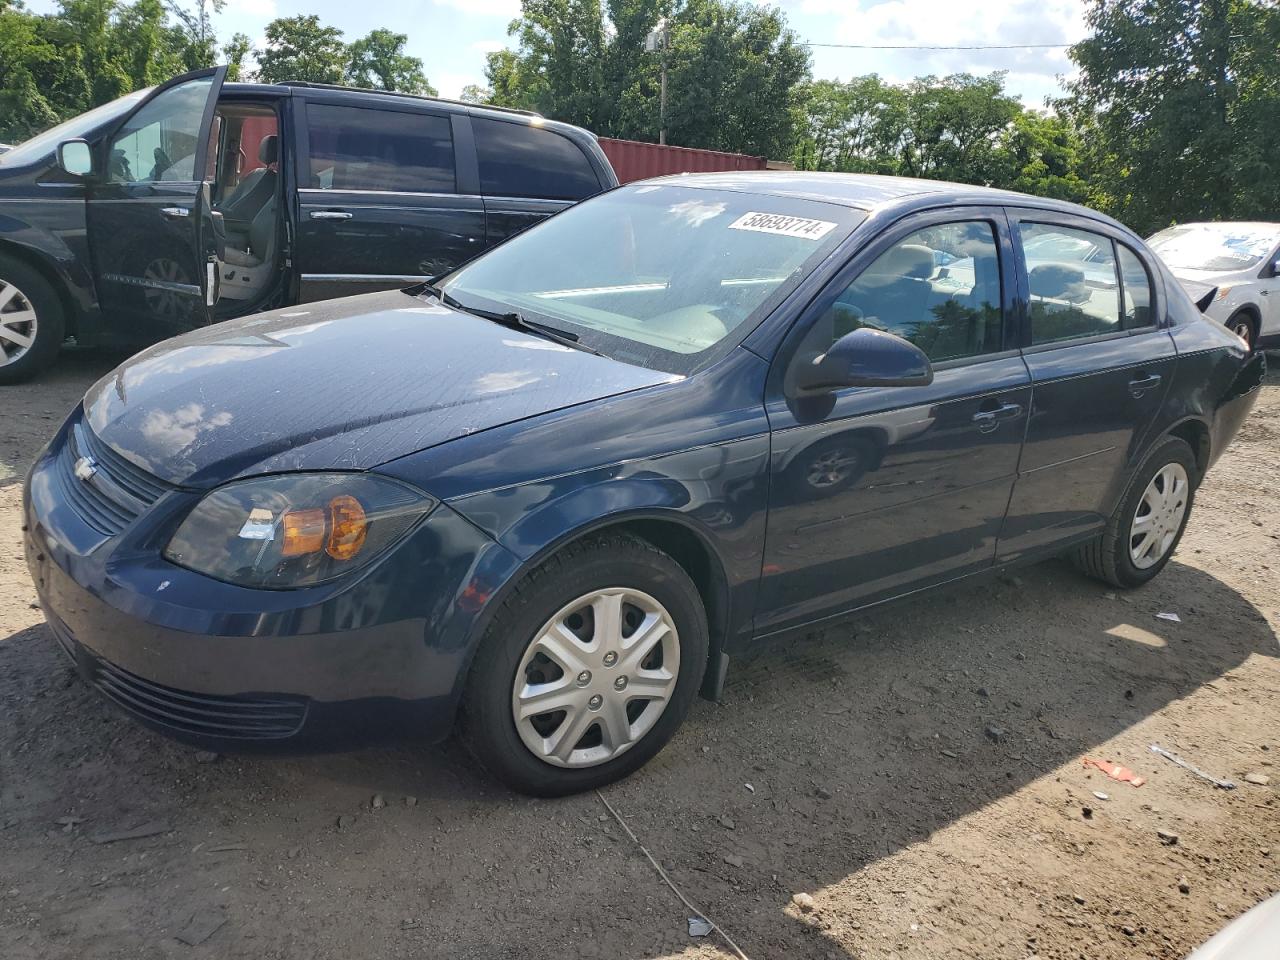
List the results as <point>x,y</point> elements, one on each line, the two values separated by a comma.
<point>862,190</point>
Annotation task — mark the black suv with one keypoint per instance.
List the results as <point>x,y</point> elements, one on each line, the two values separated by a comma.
<point>196,201</point>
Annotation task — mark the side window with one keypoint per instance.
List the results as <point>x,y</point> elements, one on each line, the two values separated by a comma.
<point>519,160</point>
<point>1137,290</point>
<point>938,287</point>
<point>1073,282</point>
<point>158,143</point>
<point>356,148</point>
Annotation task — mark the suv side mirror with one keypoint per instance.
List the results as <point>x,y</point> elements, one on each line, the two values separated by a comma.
<point>866,358</point>
<point>1275,266</point>
<point>75,157</point>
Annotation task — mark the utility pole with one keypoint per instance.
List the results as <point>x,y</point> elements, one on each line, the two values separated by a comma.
<point>659,40</point>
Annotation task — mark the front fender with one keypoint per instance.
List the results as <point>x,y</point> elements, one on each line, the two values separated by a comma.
<point>717,492</point>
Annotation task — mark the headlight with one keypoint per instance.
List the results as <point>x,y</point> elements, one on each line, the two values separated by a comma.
<point>295,530</point>
<point>1222,293</point>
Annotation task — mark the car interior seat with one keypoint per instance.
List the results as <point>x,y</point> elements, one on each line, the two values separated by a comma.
<point>254,192</point>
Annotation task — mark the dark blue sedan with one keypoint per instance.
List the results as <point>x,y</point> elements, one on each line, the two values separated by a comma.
<point>552,495</point>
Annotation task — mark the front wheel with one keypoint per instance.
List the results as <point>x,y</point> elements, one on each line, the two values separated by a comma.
<point>587,669</point>
<point>1242,325</point>
<point>31,321</point>
<point>1142,534</point>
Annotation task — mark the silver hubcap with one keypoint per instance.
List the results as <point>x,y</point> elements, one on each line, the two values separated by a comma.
<point>1159,516</point>
<point>17,323</point>
<point>1243,330</point>
<point>596,678</point>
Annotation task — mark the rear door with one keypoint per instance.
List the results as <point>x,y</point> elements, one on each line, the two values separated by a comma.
<point>879,491</point>
<point>382,201</point>
<point>527,173</point>
<point>1100,366</point>
<point>148,218</point>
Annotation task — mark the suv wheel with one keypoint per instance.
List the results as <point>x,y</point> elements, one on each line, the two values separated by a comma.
<point>1242,325</point>
<point>31,321</point>
<point>587,669</point>
<point>1145,529</point>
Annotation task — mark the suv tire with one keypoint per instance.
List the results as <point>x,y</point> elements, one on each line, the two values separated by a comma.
<point>32,324</point>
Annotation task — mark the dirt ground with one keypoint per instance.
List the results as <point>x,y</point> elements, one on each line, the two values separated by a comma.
<point>917,771</point>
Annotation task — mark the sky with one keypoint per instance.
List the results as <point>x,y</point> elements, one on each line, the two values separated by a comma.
<point>451,37</point>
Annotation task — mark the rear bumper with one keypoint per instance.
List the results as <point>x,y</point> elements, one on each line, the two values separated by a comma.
<point>383,657</point>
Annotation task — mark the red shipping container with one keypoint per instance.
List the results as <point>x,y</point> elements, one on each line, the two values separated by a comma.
<point>633,160</point>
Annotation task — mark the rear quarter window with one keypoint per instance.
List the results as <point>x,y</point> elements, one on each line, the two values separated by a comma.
<point>520,160</point>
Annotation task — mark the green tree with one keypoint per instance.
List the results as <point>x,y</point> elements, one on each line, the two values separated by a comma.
<point>953,125</point>
<point>379,61</point>
<point>236,53</point>
<point>1180,99</point>
<point>1043,154</point>
<point>732,70</point>
<point>853,127</point>
<point>301,48</point>
<point>474,93</point>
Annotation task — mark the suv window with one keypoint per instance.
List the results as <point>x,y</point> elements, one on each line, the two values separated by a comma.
<point>1075,291</point>
<point>519,160</point>
<point>357,148</point>
<point>158,143</point>
<point>938,287</point>
<point>1137,290</point>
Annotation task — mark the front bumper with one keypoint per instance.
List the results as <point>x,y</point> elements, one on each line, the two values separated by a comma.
<point>229,667</point>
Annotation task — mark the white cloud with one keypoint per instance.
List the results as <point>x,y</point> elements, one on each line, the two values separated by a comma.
<point>251,10</point>
<point>508,9</point>
<point>450,83</point>
<point>1032,71</point>
<point>489,46</point>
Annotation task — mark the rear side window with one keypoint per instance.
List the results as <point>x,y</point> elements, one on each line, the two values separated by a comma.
<point>1075,290</point>
<point>1137,290</point>
<point>355,148</point>
<point>519,160</point>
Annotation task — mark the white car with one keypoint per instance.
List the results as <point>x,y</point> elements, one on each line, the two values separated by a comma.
<point>1232,271</point>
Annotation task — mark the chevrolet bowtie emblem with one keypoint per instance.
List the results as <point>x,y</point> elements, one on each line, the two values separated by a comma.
<point>85,468</point>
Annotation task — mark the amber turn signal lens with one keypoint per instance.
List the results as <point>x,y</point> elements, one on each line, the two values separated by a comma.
<point>348,529</point>
<point>303,532</point>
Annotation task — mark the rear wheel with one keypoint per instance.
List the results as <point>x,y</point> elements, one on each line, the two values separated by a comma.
<point>1145,529</point>
<point>587,669</point>
<point>1243,326</point>
<point>31,321</point>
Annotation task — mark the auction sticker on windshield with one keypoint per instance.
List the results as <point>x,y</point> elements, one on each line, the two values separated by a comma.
<point>784,226</point>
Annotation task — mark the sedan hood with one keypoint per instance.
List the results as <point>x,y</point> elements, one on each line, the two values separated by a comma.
<point>345,384</point>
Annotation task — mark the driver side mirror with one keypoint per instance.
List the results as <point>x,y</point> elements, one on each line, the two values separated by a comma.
<point>75,157</point>
<point>865,358</point>
<point>1275,267</point>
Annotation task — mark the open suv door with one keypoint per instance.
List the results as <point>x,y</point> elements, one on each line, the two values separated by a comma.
<point>150,227</point>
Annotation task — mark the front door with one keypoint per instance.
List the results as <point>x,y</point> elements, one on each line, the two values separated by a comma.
<point>879,491</point>
<point>1100,365</point>
<point>149,227</point>
<point>383,201</point>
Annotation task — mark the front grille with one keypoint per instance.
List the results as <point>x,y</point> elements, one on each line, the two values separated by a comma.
<point>235,718</point>
<point>116,493</point>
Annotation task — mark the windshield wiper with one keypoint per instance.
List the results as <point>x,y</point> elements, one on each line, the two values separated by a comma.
<point>514,321</point>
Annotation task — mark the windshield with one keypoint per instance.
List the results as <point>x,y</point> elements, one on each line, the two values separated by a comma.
<point>42,144</point>
<point>1219,247</point>
<point>662,276</point>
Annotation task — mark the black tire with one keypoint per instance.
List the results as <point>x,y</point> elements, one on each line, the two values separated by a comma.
<point>609,560</point>
<point>50,327</point>
<point>1243,325</point>
<point>1107,557</point>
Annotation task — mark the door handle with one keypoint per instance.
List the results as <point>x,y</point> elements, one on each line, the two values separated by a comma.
<point>1140,385</point>
<point>330,215</point>
<point>988,420</point>
<point>175,213</point>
